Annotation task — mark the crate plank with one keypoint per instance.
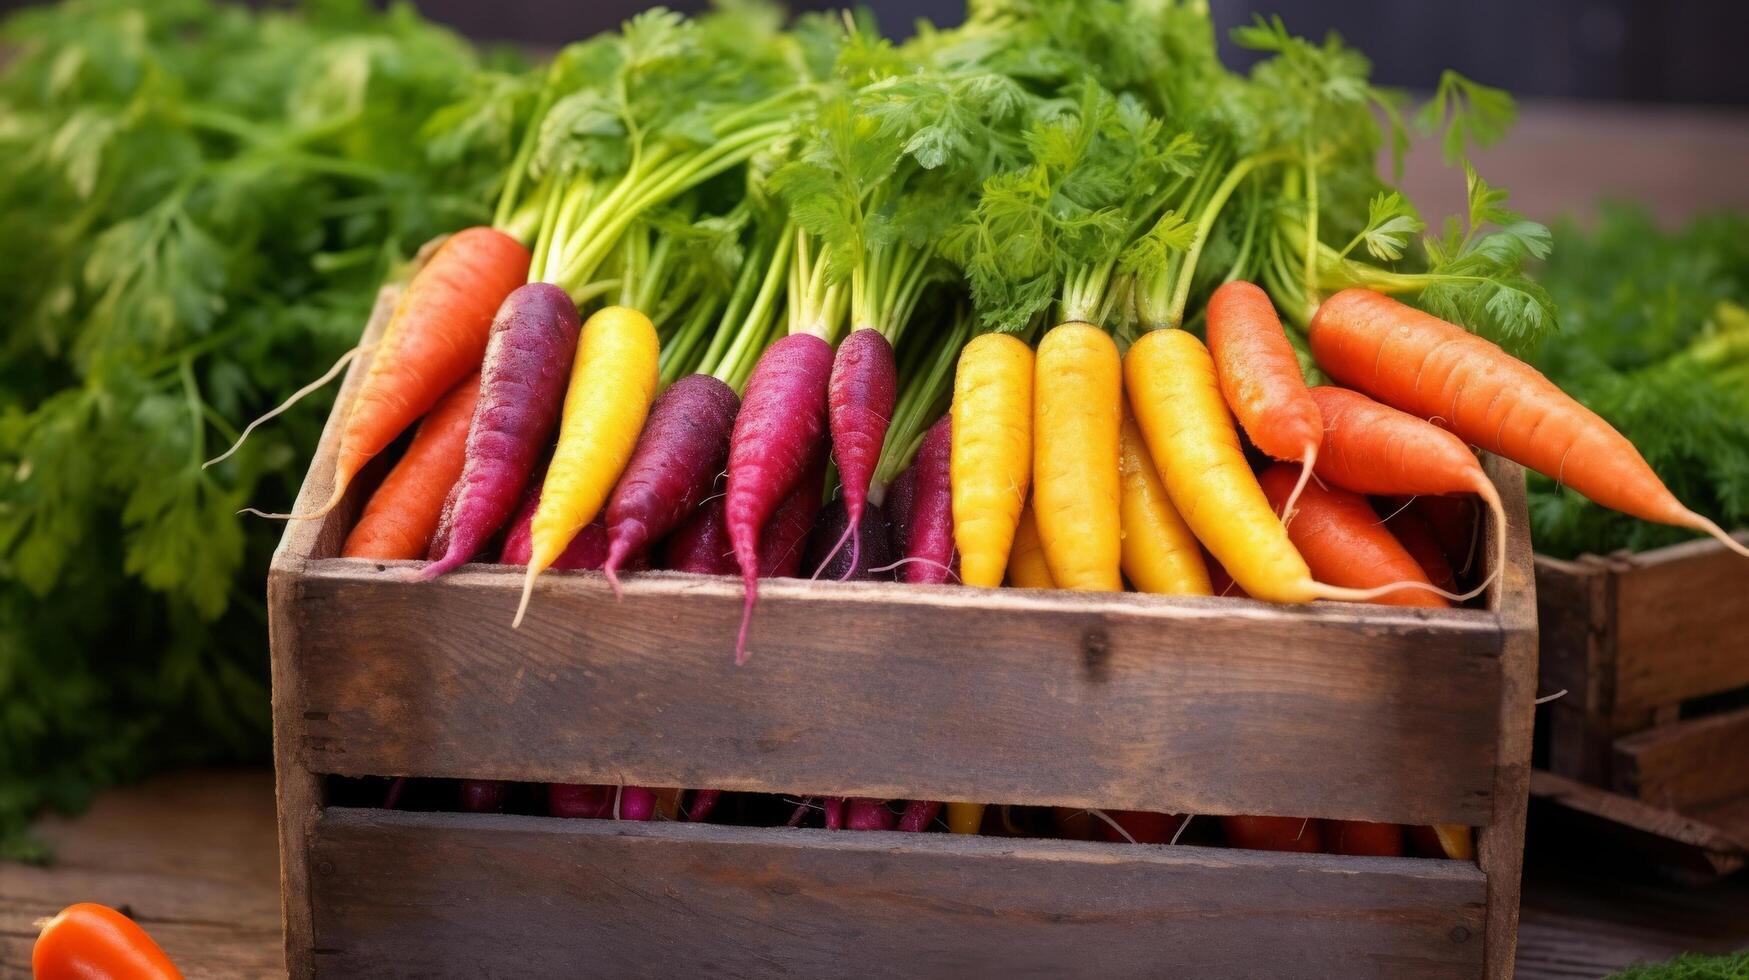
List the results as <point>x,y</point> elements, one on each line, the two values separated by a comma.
<point>1687,843</point>
<point>422,895</point>
<point>1680,633</point>
<point>864,689</point>
<point>1575,603</point>
<point>1686,763</point>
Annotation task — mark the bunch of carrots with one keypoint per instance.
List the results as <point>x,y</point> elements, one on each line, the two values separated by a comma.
<point>1020,314</point>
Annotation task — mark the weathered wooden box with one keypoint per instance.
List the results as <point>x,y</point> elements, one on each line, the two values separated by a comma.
<point>1206,706</point>
<point>1653,732</point>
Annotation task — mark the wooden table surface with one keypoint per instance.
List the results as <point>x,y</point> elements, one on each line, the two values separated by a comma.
<point>192,856</point>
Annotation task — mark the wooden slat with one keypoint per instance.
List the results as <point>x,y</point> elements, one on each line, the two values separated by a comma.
<point>1680,634</point>
<point>1500,844</point>
<point>424,895</point>
<point>862,689</point>
<point>1681,842</point>
<point>1687,763</point>
<point>1576,619</point>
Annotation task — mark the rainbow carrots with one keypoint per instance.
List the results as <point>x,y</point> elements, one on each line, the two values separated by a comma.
<point>1260,378</point>
<point>437,336</point>
<point>1159,552</point>
<point>1344,542</point>
<point>1436,370</point>
<point>612,384</point>
<point>1077,412</point>
<point>403,513</point>
<point>992,453</point>
<point>1026,560</point>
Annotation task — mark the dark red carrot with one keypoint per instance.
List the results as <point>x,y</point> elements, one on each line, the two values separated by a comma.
<point>861,813</point>
<point>777,433</point>
<point>860,399</point>
<point>635,803</point>
<point>481,795</point>
<point>1364,839</point>
<point>785,536</point>
<point>703,802</point>
<point>1456,523</point>
<point>1273,833</point>
<point>580,801</point>
<point>827,558</point>
<point>1417,537</point>
<point>588,550</point>
<point>701,544</point>
<point>681,451</point>
<point>919,815</point>
<point>929,540</point>
<point>832,809</point>
<point>522,385</point>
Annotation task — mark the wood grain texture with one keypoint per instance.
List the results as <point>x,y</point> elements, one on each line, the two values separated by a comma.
<point>427,895</point>
<point>1680,631</point>
<point>1575,603</point>
<point>1500,843</point>
<point>1679,842</point>
<point>189,855</point>
<point>1687,763</point>
<point>1180,705</point>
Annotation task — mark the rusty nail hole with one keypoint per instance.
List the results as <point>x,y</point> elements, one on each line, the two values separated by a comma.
<point>1460,934</point>
<point>327,868</point>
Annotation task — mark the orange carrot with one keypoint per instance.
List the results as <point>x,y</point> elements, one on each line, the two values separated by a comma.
<point>1375,449</point>
<point>1344,543</point>
<point>436,337</point>
<point>1417,538</point>
<point>402,514</point>
<point>1260,377</point>
<point>1437,370</point>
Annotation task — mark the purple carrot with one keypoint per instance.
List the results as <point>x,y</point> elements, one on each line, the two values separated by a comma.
<point>703,802</point>
<point>481,795</point>
<point>833,809</point>
<point>580,800</point>
<point>860,397</point>
<point>785,536</point>
<point>919,815</point>
<point>826,557</point>
<point>929,540</point>
<point>636,803</point>
<point>586,552</point>
<point>865,814</point>
<point>777,434</point>
<point>701,543</point>
<point>679,454</point>
<point>900,495</point>
<point>522,386</point>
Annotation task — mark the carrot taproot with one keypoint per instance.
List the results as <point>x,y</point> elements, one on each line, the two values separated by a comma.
<point>1369,447</point>
<point>929,541</point>
<point>1136,826</point>
<point>1192,438</point>
<point>612,382</point>
<point>700,545</point>
<point>860,395</point>
<point>862,813</point>
<point>992,455</point>
<point>533,340</point>
<point>1456,522</point>
<point>784,538</point>
<point>919,815</point>
<point>1344,542</point>
<point>1260,377</point>
<point>683,447</point>
<point>403,513</point>
<point>1026,560</point>
<point>826,557</point>
<point>1077,413</point>
<point>965,818</point>
<point>481,795</point>
<point>1439,371</point>
<point>900,494</point>
<point>776,434</point>
<point>1273,833</point>
<point>1412,530</point>
<point>436,336</point>
<point>1159,553</point>
<point>1362,838</point>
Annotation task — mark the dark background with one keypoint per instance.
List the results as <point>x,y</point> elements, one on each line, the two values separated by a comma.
<point>1624,50</point>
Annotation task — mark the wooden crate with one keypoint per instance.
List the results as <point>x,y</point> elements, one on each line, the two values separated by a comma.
<point>1200,705</point>
<point>1650,648</point>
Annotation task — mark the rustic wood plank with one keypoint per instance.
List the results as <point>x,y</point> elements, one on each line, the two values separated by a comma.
<point>863,689</point>
<point>1677,841</point>
<point>1686,763</point>
<point>297,787</point>
<point>189,855</point>
<point>1680,634</point>
<point>1500,844</point>
<point>1729,817</point>
<point>416,895</point>
<point>1576,623</point>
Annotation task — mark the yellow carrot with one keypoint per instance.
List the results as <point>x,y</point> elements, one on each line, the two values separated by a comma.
<point>1077,412</point>
<point>613,379</point>
<point>1026,562</point>
<point>965,818</point>
<point>1159,552</point>
<point>992,453</point>
<point>1190,434</point>
<point>1455,839</point>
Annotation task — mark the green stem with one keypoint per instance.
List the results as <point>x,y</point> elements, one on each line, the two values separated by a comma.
<point>1174,313</point>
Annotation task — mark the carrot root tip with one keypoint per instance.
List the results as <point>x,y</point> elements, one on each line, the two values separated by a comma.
<point>1702,524</point>
<point>1307,461</point>
<point>296,397</point>
<point>527,590</point>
